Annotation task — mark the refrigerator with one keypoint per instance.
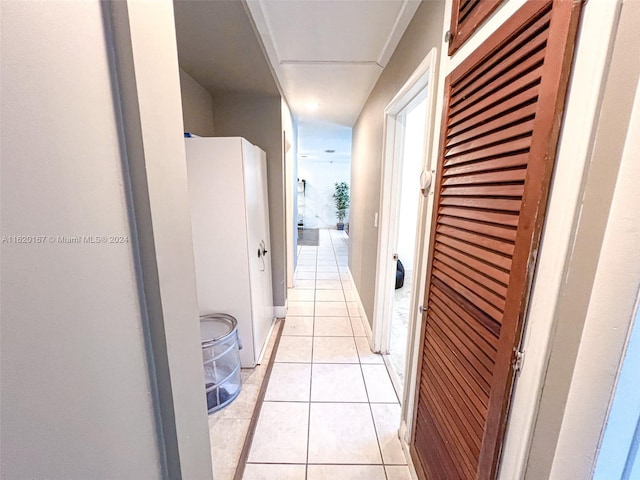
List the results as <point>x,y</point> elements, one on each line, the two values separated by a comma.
<point>227,180</point>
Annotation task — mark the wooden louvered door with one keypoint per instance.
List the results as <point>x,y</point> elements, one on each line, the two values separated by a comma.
<point>503,111</point>
<point>466,17</point>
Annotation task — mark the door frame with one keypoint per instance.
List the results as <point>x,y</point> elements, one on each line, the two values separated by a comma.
<point>424,78</point>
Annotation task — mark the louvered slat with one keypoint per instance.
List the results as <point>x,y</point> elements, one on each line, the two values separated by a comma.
<point>498,231</point>
<point>474,416</point>
<point>525,43</point>
<point>477,238</point>
<point>462,344</point>
<point>488,283</point>
<point>496,137</point>
<point>465,18</point>
<point>498,275</point>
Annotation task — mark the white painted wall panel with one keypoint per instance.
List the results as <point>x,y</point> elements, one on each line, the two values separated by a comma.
<point>76,397</point>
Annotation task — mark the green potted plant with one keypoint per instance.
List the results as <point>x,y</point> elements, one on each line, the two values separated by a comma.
<point>341,197</point>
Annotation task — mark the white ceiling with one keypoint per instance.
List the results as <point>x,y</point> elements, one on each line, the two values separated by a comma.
<point>329,52</point>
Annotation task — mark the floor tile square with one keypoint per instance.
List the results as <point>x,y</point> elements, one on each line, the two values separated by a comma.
<point>281,433</point>
<point>225,452</point>
<point>329,296</point>
<point>298,295</point>
<point>327,262</point>
<point>353,308</point>
<point>337,383</point>
<point>365,353</point>
<point>305,284</point>
<point>386,417</point>
<point>305,275</point>
<point>307,261</point>
<point>331,309</point>
<point>289,382</point>
<point>327,269</point>
<point>358,328</point>
<point>379,387</point>
<point>334,350</point>
<point>350,295</point>
<point>332,327</point>
<point>266,471</point>
<point>346,472</point>
<point>397,472</point>
<point>223,473</point>
<point>298,326</point>
<point>305,268</point>
<point>300,309</point>
<point>327,276</point>
<point>328,284</point>
<point>294,349</point>
<point>342,433</point>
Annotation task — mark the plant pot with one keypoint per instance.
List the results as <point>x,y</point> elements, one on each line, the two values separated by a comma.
<point>340,226</point>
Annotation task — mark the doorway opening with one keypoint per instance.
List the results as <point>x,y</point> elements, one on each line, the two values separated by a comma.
<point>402,228</point>
<point>411,123</point>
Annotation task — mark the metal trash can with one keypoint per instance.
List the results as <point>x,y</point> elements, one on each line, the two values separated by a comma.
<point>221,356</point>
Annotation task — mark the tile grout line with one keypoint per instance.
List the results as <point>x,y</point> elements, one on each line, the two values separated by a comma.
<point>373,421</point>
<point>257,409</point>
<point>364,381</point>
<point>313,331</point>
<point>312,363</point>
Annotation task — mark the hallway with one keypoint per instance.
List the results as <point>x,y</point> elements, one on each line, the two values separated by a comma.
<point>330,410</point>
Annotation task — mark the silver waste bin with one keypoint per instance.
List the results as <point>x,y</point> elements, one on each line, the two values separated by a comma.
<point>221,356</point>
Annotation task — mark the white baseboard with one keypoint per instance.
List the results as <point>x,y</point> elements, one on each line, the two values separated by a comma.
<point>280,311</point>
<point>363,315</point>
<point>266,344</point>
<point>402,433</point>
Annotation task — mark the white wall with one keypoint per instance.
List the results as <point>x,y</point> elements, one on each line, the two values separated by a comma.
<point>321,176</point>
<point>81,393</point>
<point>423,33</point>
<point>75,382</point>
<point>291,138</point>
<point>613,301</point>
<point>197,106</point>
<point>258,118</point>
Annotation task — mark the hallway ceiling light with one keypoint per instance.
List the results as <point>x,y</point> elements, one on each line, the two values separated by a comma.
<point>329,151</point>
<point>313,106</point>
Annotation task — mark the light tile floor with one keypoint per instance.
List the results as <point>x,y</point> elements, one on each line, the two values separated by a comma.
<point>228,427</point>
<point>330,410</point>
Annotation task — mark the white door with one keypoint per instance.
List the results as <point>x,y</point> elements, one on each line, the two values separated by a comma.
<point>262,330</point>
<point>404,220</point>
<point>258,247</point>
<point>406,192</point>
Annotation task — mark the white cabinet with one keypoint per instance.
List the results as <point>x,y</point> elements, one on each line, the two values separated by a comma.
<point>230,222</point>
